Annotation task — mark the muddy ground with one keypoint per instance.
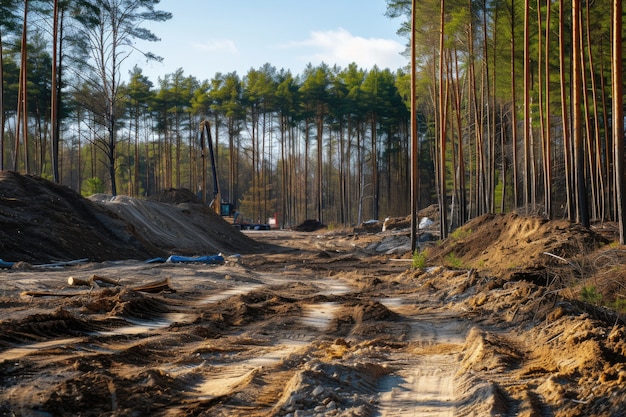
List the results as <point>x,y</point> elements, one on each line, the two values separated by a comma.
<point>500,319</point>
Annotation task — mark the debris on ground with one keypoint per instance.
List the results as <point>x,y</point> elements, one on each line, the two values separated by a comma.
<point>309,225</point>
<point>509,316</point>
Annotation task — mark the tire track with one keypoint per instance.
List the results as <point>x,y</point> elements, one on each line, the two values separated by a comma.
<point>420,387</point>
<point>423,380</point>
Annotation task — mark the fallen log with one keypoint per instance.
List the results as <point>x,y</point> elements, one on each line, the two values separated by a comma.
<point>53,294</point>
<point>104,281</point>
<point>73,281</point>
<point>94,280</point>
<point>155,287</point>
<point>151,287</point>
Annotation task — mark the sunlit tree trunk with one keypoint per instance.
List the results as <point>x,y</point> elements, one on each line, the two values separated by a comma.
<point>490,182</point>
<point>567,155</point>
<point>319,201</point>
<point>22,105</point>
<point>461,158</point>
<point>514,110</point>
<point>305,187</point>
<point>542,117</point>
<point>582,213</point>
<point>527,126</point>
<point>54,94</point>
<point>587,126</point>
<point>442,91</point>
<point>548,137</point>
<point>608,145</point>
<point>594,129</point>
<point>618,117</point>
<point>414,140</point>
<point>454,220</point>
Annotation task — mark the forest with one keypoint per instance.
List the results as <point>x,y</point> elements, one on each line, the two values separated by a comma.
<point>505,106</point>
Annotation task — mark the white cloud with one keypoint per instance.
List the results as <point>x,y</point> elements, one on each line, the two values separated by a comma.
<point>342,48</point>
<point>217,45</point>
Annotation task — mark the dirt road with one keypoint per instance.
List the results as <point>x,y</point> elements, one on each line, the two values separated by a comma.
<point>323,327</point>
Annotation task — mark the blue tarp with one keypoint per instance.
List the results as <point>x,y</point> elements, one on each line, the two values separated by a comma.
<point>207,259</point>
<point>5,264</point>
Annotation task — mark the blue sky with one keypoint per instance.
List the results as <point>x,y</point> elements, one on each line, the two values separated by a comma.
<point>205,37</point>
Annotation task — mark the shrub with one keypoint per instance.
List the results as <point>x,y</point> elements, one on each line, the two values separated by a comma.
<point>590,295</point>
<point>454,261</point>
<point>419,260</point>
<point>92,186</point>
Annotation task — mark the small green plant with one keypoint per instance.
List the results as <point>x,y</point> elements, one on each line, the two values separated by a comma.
<point>419,260</point>
<point>454,261</point>
<point>620,305</point>
<point>460,233</point>
<point>590,295</point>
<point>92,186</point>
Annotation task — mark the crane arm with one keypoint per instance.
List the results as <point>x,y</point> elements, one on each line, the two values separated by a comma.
<point>206,142</point>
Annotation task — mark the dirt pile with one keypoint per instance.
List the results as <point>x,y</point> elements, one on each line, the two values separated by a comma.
<point>333,323</point>
<point>43,222</point>
<point>309,226</point>
<point>176,222</point>
<point>508,243</point>
<point>531,349</point>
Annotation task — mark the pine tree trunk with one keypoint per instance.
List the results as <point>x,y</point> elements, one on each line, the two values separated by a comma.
<point>582,213</point>
<point>618,117</point>
<point>567,154</point>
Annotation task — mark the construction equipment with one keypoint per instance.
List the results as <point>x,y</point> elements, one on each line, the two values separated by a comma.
<point>206,142</point>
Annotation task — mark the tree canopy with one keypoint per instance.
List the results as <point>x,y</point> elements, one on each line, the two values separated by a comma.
<point>514,109</point>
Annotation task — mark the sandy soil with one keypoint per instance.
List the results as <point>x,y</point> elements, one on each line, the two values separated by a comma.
<point>331,323</point>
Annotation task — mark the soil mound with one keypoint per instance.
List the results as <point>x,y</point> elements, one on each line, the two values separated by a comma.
<point>176,222</point>
<point>502,244</point>
<point>42,222</point>
<point>175,196</point>
<point>309,226</point>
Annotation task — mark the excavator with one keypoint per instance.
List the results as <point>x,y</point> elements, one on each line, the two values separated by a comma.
<point>220,207</point>
<point>206,145</point>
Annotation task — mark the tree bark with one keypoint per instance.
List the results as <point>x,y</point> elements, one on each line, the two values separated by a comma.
<point>443,227</point>
<point>618,118</point>
<point>565,116</point>
<point>582,212</point>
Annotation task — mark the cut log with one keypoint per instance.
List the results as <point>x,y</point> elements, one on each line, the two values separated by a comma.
<point>73,281</point>
<point>95,280</point>
<point>104,281</point>
<point>155,287</point>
